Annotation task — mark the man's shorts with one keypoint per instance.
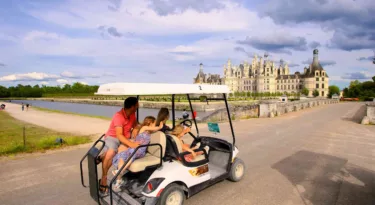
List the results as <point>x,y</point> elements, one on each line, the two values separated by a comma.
<point>111,143</point>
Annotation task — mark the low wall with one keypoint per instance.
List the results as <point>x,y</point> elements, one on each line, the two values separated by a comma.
<point>370,114</point>
<point>237,112</point>
<point>279,108</point>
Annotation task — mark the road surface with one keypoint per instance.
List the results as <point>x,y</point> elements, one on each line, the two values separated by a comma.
<point>317,156</point>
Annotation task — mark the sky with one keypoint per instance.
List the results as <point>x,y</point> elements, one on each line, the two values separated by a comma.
<point>55,42</point>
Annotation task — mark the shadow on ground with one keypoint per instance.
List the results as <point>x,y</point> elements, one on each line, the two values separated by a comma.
<point>358,115</point>
<point>329,180</point>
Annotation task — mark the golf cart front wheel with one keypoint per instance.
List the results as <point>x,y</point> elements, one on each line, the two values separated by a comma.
<point>172,195</point>
<point>237,170</point>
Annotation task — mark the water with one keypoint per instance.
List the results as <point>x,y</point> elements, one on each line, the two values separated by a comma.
<point>97,110</point>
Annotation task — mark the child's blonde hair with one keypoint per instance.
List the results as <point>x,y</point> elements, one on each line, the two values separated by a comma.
<point>177,130</point>
<point>146,122</point>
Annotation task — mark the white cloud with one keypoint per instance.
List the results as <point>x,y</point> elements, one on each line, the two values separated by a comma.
<point>40,35</point>
<point>68,74</point>
<point>144,20</point>
<point>44,83</point>
<point>62,81</point>
<point>83,83</point>
<point>29,77</point>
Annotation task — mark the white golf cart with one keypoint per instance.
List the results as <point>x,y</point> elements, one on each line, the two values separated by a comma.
<point>164,176</point>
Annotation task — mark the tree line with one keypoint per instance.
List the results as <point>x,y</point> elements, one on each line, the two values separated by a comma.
<point>363,91</point>
<point>42,91</point>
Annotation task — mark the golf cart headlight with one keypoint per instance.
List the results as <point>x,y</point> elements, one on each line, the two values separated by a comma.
<point>152,185</point>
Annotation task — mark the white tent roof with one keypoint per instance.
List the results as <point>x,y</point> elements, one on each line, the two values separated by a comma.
<point>159,89</point>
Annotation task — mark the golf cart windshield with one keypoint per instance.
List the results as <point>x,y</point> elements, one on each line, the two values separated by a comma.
<point>194,98</point>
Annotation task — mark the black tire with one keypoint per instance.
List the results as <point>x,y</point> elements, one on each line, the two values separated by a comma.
<point>235,174</point>
<point>168,191</point>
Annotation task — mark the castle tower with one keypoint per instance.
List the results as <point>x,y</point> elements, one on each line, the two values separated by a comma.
<point>229,68</point>
<point>286,67</point>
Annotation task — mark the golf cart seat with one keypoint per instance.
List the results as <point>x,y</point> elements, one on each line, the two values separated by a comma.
<point>178,145</point>
<point>152,157</point>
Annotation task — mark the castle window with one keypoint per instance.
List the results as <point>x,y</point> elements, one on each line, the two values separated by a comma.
<point>317,85</point>
<point>323,79</point>
<point>292,87</point>
<point>284,87</point>
<point>277,86</point>
<point>316,73</point>
<point>323,85</point>
<point>268,87</point>
<point>300,86</point>
<point>317,79</point>
<point>288,87</point>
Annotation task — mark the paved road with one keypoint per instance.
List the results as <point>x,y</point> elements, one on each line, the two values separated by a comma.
<point>317,156</point>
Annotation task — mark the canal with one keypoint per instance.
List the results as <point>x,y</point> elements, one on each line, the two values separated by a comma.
<point>97,110</point>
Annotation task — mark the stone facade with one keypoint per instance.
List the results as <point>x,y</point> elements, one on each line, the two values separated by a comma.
<point>261,75</point>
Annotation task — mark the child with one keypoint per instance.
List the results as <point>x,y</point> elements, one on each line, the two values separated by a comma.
<point>163,116</point>
<point>179,132</point>
<point>144,137</point>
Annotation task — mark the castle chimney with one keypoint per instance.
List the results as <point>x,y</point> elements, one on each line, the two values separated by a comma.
<point>201,67</point>
<point>315,54</point>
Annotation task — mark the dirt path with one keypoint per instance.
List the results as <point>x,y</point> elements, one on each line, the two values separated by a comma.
<point>60,122</point>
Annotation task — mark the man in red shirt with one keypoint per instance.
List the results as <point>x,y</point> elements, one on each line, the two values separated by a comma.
<point>119,132</point>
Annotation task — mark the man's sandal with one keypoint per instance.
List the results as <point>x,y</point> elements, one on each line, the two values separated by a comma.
<point>103,189</point>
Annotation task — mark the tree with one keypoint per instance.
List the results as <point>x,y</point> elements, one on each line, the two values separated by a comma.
<point>316,93</point>
<point>373,79</point>
<point>333,89</point>
<point>305,91</point>
<point>4,92</point>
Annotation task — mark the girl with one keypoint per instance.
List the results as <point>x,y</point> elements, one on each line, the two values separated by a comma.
<point>163,116</point>
<point>144,136</point>
<point>179,132</point>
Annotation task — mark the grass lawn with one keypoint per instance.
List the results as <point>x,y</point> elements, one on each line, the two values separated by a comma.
<point>37,138</point>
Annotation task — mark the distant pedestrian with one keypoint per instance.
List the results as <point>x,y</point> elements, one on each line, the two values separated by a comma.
<point>23,106</point>
<point>185,115</point>
<point>27,106</point>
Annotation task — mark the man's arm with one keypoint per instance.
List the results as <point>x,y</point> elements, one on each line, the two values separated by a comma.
<point>124,140</point>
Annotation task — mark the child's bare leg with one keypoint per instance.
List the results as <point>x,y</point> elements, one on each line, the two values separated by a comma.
<point>125,168</point>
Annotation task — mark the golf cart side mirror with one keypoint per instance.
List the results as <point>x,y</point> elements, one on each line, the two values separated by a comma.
<point>213,127</point>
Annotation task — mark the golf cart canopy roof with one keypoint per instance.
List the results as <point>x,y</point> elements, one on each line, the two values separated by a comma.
<point>159,89</point>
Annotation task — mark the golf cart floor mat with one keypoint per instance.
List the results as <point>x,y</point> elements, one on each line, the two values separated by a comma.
<point>219,159</point>
<point>120,198</point>
<point>215,170</point>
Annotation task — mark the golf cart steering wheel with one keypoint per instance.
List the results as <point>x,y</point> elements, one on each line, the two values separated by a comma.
<point>187,123</point>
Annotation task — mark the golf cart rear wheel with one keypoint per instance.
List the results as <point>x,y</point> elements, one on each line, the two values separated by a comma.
<point>237,170</point>
<point>172,195</point>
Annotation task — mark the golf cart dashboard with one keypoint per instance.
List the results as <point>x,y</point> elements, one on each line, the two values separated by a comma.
<point>215,144</point>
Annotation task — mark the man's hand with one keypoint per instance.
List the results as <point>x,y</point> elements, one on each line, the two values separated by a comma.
<point>193,154</point>
<point>134,144</point>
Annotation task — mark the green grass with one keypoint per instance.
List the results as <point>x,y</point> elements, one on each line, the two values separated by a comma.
<point>37,138</point>
<point>70,113</point>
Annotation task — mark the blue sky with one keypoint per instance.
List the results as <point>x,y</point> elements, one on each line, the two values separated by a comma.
<point>100,41</point>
